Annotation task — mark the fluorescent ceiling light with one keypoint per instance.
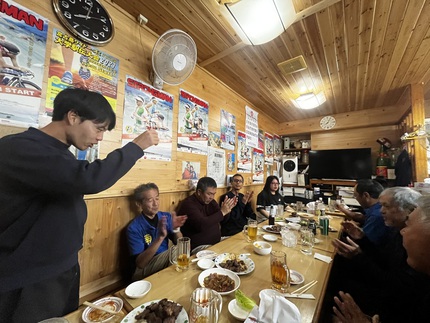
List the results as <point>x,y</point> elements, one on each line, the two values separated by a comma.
<point>262,20</point>
<point>310,100</point>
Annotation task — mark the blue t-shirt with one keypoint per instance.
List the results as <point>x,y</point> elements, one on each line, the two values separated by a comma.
<point>374,226</point>
<point>140,234</point>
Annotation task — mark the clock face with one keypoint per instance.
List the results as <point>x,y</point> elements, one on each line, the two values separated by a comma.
<point>327,122</point>
<point>86,19</point>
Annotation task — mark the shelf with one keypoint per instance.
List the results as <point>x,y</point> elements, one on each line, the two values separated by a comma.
<point>335,182</point>
<point>295,149</point>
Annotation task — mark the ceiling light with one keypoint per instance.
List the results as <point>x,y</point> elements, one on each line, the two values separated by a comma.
<point>261,20</point>
<point>310,100</point>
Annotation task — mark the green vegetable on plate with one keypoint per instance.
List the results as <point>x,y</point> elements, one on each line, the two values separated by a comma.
<point>244,301</point>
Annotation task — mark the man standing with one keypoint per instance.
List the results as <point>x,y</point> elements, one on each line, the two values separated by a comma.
<point>238,217</point>
<point>148,234</point>
<point>204,214</point>
<point>42,210</point>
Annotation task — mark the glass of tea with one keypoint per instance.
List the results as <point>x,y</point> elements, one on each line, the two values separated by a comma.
<point>250,230</point>
<point>279,271</point>
<point>180,254</point>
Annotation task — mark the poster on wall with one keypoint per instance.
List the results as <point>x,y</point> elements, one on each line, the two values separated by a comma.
<point>23,35</point>
<point>230,161</point>
<point>76,64</point>
<point>190,170</point>
<point>146,107</point>
<point>192,124</point>
<point>244,157</point>
<point>216,165</point>
<point>251,127</point>
<point>228,130</point>
<point>277,146</point>
<point>268,148</point>
<point>257,166</point>
<point>215,139</point>
<point>261,139</point>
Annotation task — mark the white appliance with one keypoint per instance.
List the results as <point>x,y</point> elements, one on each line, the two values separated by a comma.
<point>290,169</point>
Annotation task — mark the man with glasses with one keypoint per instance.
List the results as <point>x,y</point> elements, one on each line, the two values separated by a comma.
<point>238,217</point>
<point>269,196</point>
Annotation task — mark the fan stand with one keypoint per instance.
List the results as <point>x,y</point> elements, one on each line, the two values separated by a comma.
<point>157,82</point>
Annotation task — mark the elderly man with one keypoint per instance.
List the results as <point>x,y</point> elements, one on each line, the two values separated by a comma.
<point>204,214</point>
<point>148,234</point>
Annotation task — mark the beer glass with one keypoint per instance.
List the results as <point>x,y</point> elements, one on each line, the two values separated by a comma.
<point>180,254</point>
<point>279,271</point>
<point>250,230</point>
<point>206,305</point>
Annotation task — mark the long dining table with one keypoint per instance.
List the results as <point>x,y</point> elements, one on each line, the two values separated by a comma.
<point>178,286</point>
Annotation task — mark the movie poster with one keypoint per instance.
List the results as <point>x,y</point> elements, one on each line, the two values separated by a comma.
<point>228,130</point>
<point>257,166</point>
<point>146,107</point>
<point>192,124</point>
<point>244,157</point>
<point>23,35</point>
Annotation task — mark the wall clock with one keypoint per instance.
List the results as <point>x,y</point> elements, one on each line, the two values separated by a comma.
<point>327,122</point>
<point>88,20</point>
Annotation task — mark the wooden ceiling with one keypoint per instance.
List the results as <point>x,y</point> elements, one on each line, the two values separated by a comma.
<point>360,53</point>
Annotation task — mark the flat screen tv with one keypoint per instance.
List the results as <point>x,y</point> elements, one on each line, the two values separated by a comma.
<point>340,164</point>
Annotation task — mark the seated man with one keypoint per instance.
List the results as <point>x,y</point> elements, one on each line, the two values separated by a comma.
<point>238,217</point>
<point>204,215</point>
<point>148,234</point>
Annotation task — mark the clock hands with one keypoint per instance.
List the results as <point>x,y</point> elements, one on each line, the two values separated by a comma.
<point>89,17</point>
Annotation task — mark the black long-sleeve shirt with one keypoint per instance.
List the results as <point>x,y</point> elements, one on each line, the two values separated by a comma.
<point>238,217</point>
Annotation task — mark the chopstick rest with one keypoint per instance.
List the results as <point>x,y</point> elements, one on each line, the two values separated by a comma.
<point>321,257</point>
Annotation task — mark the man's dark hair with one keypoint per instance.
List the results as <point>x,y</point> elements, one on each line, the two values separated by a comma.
<point>269,180</point>
<point>87,104</point>
<point>236,175</point>
<point>138,191</point>
<point>204,183</point>
<point>370,186</point>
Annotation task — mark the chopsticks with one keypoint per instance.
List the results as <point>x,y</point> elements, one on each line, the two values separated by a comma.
<point>212,255</point>
<point>304,288</point>
<point>101,308</point>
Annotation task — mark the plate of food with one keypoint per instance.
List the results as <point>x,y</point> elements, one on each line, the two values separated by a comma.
<point>91,315</point>
<point>305,215</point>
<point>239,264</point>
<point>273,228</point>
<point>150,311</point>
<point>221,280</point>
<point>296,277</point>
<point>205,254</point>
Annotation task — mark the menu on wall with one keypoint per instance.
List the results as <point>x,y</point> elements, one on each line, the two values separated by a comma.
<point>251,127</point>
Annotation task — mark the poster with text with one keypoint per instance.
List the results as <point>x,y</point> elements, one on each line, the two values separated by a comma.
<point>268,148</point>
<point>261,139</point>
<point>190,170</point>
<point>216,165</point>
<point>23,35</point>
<point>244,154</point>
<point>251,127</point>
<point>146,107</point>
<point>230,161</point>
<point>76,64</point>
<point>192,124</point>
<point>228,130</point>
<point>215,139</point>
<point>277,146</point>
<point>257,166</point>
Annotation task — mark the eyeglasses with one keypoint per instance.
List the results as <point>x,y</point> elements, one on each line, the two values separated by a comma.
<point>274,183</point>
<point>238,181</point>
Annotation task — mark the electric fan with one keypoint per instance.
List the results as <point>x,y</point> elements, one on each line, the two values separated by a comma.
<point>173,58</point>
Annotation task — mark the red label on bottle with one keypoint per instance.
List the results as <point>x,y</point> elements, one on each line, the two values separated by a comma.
<point>382,171</point>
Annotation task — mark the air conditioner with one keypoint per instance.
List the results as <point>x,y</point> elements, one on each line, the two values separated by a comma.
<point>290,169</point>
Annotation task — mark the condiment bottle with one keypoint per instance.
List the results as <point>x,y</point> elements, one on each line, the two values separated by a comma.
<point>272,215</point>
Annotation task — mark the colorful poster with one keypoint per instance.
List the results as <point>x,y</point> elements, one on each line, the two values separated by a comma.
<point>190,170</point>
<point>257,166</point>
<point>230,161</point>
<point>215,139</point>
<point>192,124</point>
<point>244,157</point>
<point>74,63</point>
<point>216,165</point>
<point>261,139</point>
<point>268,148</point>
<point>146,107</point>
<point>23,35</point>
<point>277,146</point>
<point>228,130</point>
<point>251,127</point>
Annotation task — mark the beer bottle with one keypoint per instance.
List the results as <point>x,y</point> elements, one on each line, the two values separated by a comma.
<point>382,163</point>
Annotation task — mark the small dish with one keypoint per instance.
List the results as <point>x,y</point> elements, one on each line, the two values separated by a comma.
<point>293,220</point>
<point>205,263</point>
<point>237,312</point>
<point>205,253</point>
<point>294,226</point>
<point>138,289</point>
<point>91,315</point>
<point>270,237</point>
<point>296,278</point>
<point>262,248</point>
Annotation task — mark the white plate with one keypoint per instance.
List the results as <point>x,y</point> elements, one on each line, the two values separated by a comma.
<point>267,229</point>
<point>294,219</point>
<point>205,263</point>
<point>270,237</point>
<point>138,289</point>
<point>182,317</point>
<point>237,311</point>
<point>296,278</point>
<point>205,253</point>
<point>250,265</point>
<point>220,271</point>
<point>306,215</point>
<point>115,305</point>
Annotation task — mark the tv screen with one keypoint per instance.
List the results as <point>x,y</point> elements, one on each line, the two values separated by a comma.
<point>340,163</point>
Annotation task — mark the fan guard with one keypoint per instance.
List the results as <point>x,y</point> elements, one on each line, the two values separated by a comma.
<point>174,57</point>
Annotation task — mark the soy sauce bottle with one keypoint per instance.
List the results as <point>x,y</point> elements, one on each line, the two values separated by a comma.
<point>272,215</point>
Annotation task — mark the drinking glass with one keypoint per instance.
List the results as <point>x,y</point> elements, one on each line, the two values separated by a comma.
<point>307,241</point>
<point>250,230</point>
<point>289,238</point>
<point>299,206</point>
<point>206,305</point>
<point>180,254</point>
<point>279,271</point>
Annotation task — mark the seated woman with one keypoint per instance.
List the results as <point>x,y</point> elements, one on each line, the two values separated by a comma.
<point>269,196</point>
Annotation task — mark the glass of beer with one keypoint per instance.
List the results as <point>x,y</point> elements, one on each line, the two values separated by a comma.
<point>180,254</point>
<point>279,271</point>
<point>250,230</point>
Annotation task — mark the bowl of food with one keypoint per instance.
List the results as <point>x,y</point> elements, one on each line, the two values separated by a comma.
<point>221,280</point>
<point>91,315</point>
<point>262,247</point>
<point>205,263</point>
<point>138,289</point>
